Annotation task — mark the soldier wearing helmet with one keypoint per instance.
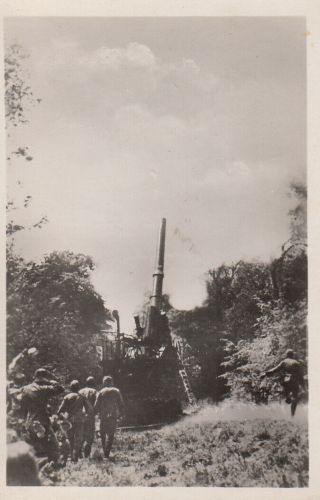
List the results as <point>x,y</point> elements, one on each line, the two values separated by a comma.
<point>76,407</point>
<point>292,378</point>
<point>109,406</point>
<point>34,406</point>
<point>89,393</point>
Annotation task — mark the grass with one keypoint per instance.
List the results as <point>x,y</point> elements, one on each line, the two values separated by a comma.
<point>200,451</point>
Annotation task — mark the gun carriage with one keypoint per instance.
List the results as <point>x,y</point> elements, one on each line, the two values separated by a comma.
<point>148,366</point>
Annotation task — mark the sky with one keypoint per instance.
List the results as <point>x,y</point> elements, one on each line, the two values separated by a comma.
<point>199,120</point>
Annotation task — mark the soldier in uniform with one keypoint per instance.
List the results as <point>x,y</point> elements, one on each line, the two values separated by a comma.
<point>77,407</point>
<point>89,392</point>
<point>17,378</point>
<point>109,406</point>
<point>34,400</point>
<point>19,362</point>
<point>14,391</point>
<point>292,373</point>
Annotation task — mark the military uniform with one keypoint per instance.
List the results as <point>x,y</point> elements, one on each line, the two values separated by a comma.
<point>16,379</point>
<point>109,405</point>
<point>89,393</point>
<point>34,399</point>
<point>292,379</point>
<point>17,364</point>
<point>14,395</point>
<point>22,363</point>
<point>77,407</point>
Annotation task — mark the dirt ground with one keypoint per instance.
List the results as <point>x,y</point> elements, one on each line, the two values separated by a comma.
<point>227,447</point>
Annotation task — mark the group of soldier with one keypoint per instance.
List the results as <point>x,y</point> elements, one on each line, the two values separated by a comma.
<point>70,431</point>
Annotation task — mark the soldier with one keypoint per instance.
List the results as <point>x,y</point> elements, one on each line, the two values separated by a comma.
<point>17,378</point>
<point>292,378</point>
<point>14,392</point>
<point>90,393</point>
<point>34,399</point>
<point>76,406</point>
<point>20,361</point>
<point>109,405</point>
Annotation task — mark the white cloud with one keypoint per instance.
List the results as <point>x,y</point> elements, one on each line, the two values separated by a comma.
<point>118,75</point>
<point>134,55</point>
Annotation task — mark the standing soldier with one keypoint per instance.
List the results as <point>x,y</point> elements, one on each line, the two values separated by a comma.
<point>76,406</point>
<point>109,405</point>
<point>89,392</point>
<point>34,400</point>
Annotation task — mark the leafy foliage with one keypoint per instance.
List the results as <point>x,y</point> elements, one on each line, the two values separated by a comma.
<point>234,295</point>
<point>53,306</point>
<point>238,297</point>
<point>277,328</point>
<point>19,99</point>
<point>18,94</point>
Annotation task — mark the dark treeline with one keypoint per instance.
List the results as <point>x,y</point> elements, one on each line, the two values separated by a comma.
<point>253,312</point>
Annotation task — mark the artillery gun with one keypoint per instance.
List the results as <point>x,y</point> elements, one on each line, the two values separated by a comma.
<point>148,366</point>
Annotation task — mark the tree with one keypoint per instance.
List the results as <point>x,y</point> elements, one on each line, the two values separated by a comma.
<point>290,270</point>
<point>19,99</point>
<point>200,335</point>
<point>18,94</point>
<point>233,294</point>
<point>231,309</point>
<point>53,306</point>
<point>277,329</point>
<point>282,321</point>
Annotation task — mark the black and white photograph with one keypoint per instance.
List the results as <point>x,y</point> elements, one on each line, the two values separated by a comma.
<point>156,251</point>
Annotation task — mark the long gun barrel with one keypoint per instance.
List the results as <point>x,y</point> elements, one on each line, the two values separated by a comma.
<point>156,297</point>
<point>151,331</point>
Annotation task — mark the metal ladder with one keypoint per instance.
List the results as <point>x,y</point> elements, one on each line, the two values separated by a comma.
<point>184,377</point>
<point>185,382</point>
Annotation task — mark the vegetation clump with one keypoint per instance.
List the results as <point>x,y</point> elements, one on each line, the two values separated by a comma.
<point>248,453</point>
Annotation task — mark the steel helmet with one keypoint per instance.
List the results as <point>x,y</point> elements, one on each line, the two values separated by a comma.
<point>90,382</point>
<point>75,385</point>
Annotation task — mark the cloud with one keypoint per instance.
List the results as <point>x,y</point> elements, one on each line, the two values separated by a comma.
<point>134,55</point>
<point>108,78</point>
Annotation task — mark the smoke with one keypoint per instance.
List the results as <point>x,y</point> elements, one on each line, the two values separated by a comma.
<point>239,411</point>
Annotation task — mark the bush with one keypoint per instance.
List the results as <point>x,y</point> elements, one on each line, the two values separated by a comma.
<point>278,328</point>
